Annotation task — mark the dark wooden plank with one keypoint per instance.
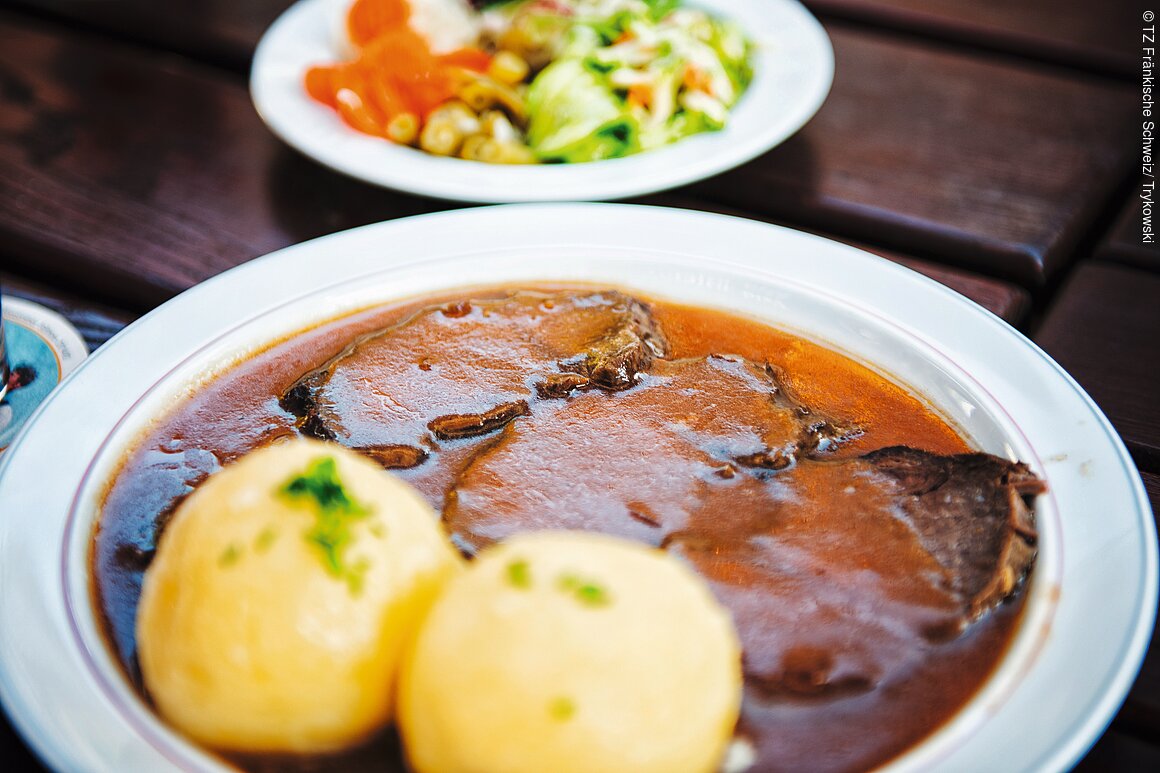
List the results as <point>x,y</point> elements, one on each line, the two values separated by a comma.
<point>995,166</point>
<point>1118,752</point>
<point>1141,711</point>
<point>1003,299</point>
<point>1103,329</point>
<point>1077,32</point>
<point>96,322</point>
<point>1072,32</point>
<point>1125,242</point>
<point>137,175</point>
<point>16,754</point>
<point>221,31</point>
<point>142,212</point>
<point>978,161</point>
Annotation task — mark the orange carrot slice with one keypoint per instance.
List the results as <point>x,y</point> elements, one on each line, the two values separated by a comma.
<point>367,19</point>
<point>389,98</point>
<point>468,58</point>
<point>395,71</point>
<point>358,114</point>
<point>320,84</point>
<point>639,94</point>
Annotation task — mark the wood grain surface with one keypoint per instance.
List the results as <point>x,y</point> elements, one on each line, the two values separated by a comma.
<point>17,756</point>
<point>221,31</point>
<point>1001,298</point>
<point>1074,32</point>
<point>1122,753</point>
<point>140,210</point>
<point>1079,33</point>
<point>1125,242</point>
<point>140,175</point>
<point>95,322</point>
<point>921,177</point>
<point>1141,711</point>
<point>1103,329</point>
<point>982,162</point>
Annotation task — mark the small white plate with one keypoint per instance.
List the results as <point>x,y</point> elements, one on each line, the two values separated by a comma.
<point>1091,601</point>
<point>793,69</point>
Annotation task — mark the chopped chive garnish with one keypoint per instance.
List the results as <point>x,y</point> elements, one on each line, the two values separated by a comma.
<point>562,709</point>
<point>335,510</point>
<point>265,539</point>
<point>586,592</point>
<point>356,576</point>
<point>519,573</point>
<point>592,595</point>
<point>230,555</point>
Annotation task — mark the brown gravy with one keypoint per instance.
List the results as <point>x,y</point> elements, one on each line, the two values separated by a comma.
<point>239,410</point>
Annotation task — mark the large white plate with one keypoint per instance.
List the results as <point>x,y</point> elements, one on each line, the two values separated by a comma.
<point>794,66</point>
<point>1091,600</point>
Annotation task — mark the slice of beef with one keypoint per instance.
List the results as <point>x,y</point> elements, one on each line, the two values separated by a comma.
<point>843,575</point>
<point>466,369</point>
<point>971,512</point>
<point>612,359</point>
<point>636,463</point>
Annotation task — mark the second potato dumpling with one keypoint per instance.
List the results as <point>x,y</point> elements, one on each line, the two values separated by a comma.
<point>563,651</point>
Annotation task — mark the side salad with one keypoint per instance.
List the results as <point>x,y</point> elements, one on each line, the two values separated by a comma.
<point>533,81</point>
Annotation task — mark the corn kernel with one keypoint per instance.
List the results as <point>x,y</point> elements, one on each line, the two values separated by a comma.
<point>441,137</point>
<point>507,67</point>
<point>403,128</point>
<point>474,148</point>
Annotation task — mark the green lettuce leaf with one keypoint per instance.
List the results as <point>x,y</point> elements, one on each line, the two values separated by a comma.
<point>575,116</point>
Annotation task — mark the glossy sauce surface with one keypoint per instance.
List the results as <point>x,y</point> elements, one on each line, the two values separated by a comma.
<point>916,682</point>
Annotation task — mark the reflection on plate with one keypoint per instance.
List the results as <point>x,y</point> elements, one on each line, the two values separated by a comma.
<point>793,64</point>
<point>1090,604</point>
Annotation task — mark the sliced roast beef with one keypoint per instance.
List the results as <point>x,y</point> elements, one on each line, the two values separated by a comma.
<point>466,369</point>
<point>971,512</point>
<point>637,463</point>
<point>895,551</point>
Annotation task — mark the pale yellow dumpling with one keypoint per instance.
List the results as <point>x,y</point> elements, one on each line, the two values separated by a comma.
<point>282,593</point>
<point>562,652</point>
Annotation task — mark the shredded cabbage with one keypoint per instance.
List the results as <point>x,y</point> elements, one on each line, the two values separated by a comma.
<point>631,75</point>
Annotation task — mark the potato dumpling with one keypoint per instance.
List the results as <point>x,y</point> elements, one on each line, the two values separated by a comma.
<point>564,651</point>
<point>283,591</point>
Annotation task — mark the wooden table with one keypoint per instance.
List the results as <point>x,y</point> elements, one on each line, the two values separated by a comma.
<point>994,146</point>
